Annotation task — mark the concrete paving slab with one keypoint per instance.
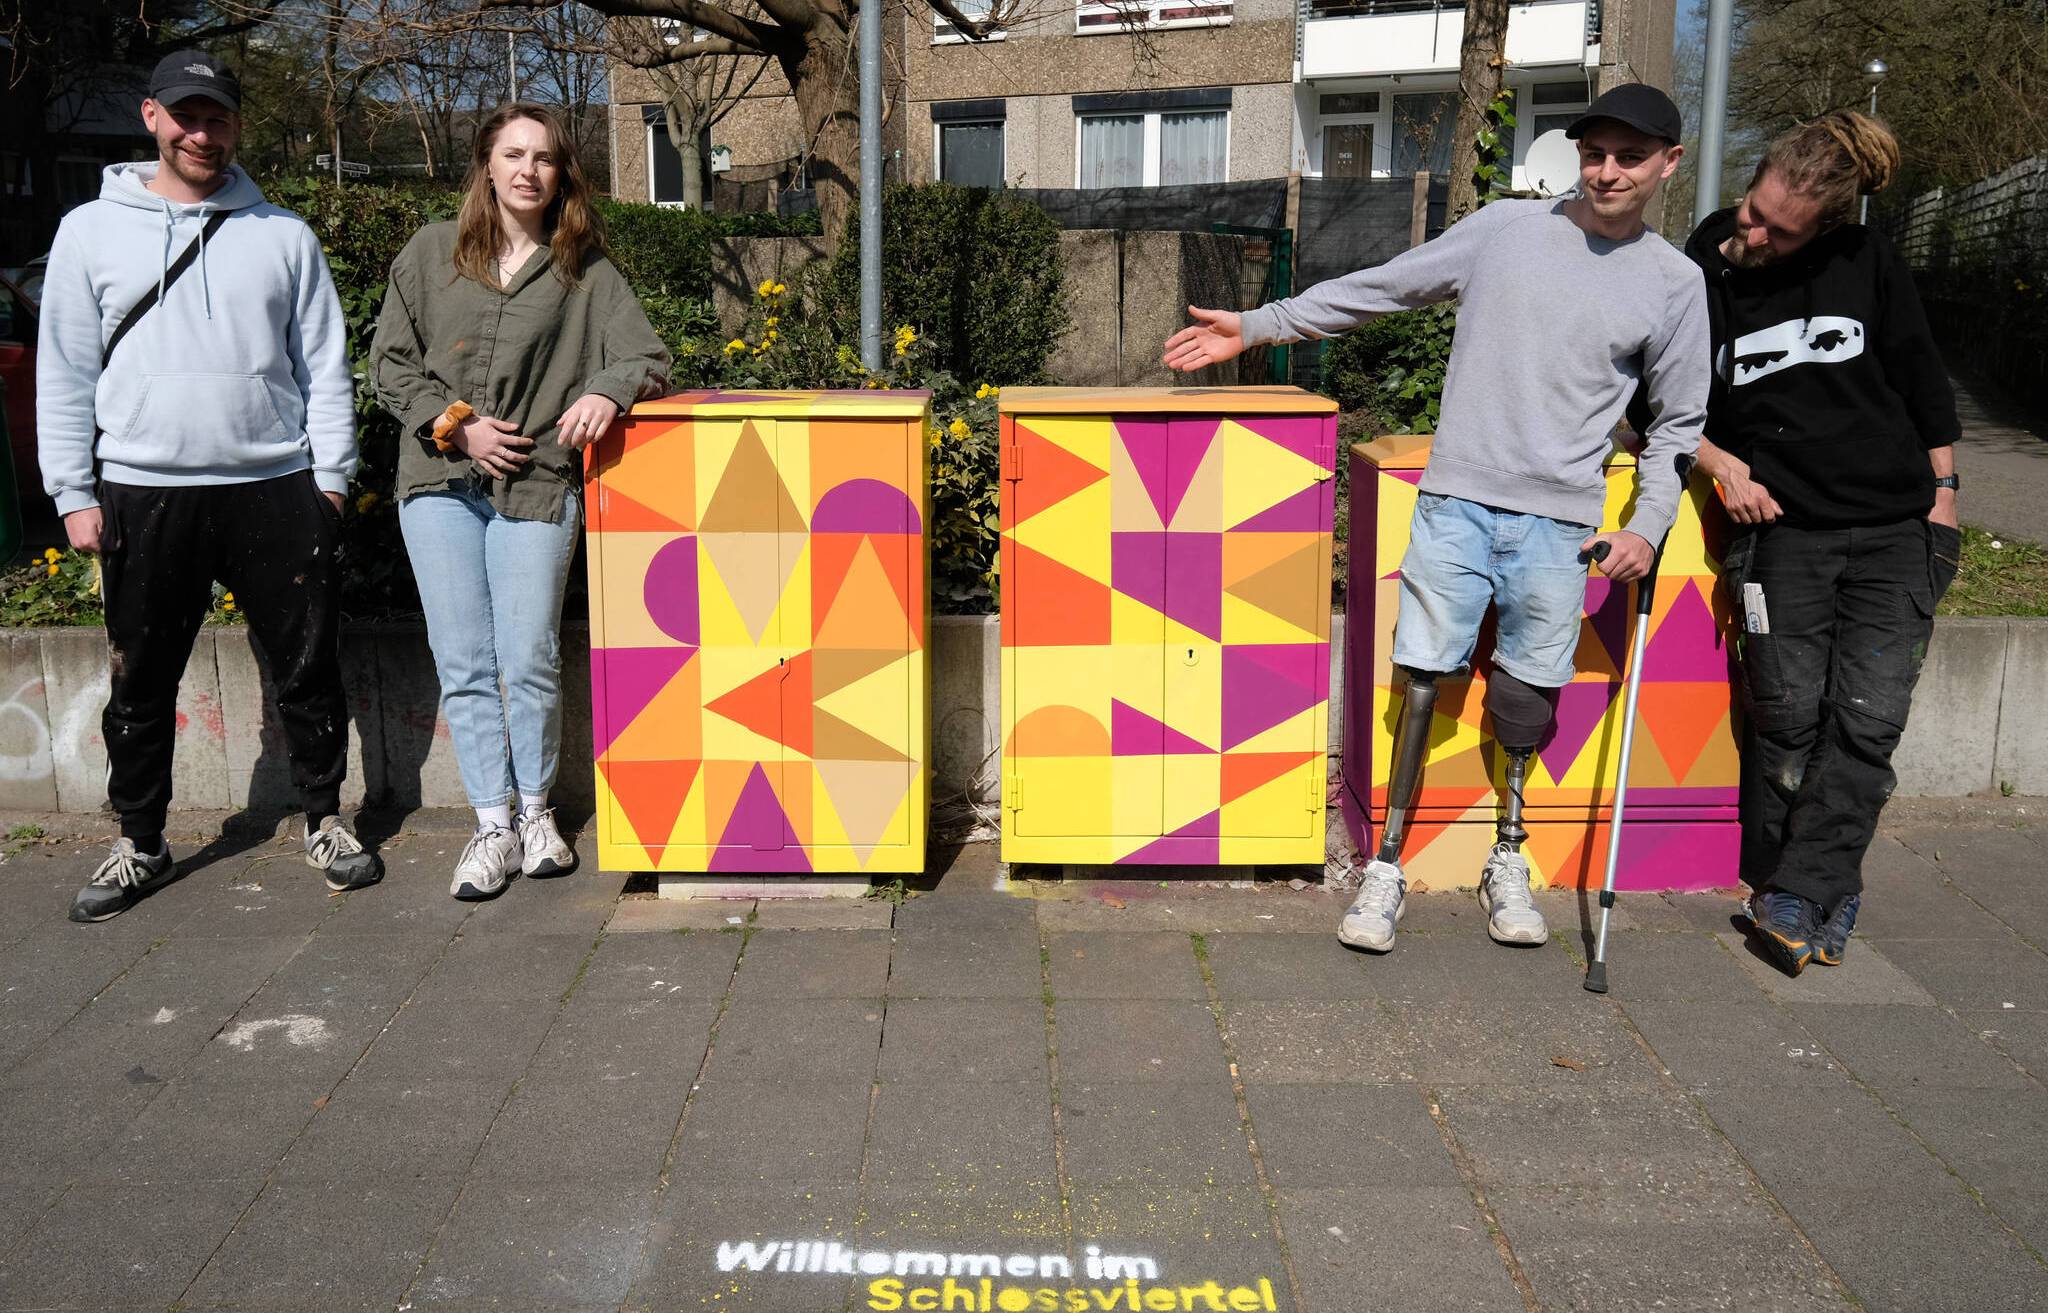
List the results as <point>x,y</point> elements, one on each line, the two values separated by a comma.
<point>205,1132</point>
<point>411,899</point>
<point>1615,1161</point>
<point>343,1242</point>
<point>1318,1137</point>
<point>1145,964</point>
<point>504,968</point>
<point>532,1244</point>
<point>1907,895</point>
<point>576,904</point>
<point>603,1039</point>
<point>1153,1135</point>
<point>976,961</point>
<point>1864,975</point>
<point>797,964</point>
<point>1999,870</point>
<point>1465,966</point>
<point>1977,1135</point>
<point>245,896</point>
<point>964,914</point>
<point>1617,1269</point>
<point>964,1039</point>
<point>1573,1044</point>
<point>1346,1241</point>
<point>425,1128</point>
<point>362,969</point>
<point>1284,966</point>
<point>774,1132</point>
<point>798,1039</point>
<point>106,1245</point>
<point>1291,1042</point>
<point>2021,1036</point>
<point>310,1047</point>
<point>1709,912</point>
<point>1193,1233</point>
<point>634,915</point>
<point>1988,974</point>
<point>1745,1044</point>
<point>697,965</point>
<point>1903,1049</point>
<point>823,914</point>
<point>1137,1040</point>
<point>1676,968</point>
<point>567,1124</point>
<point>195,974</point>
<point>681,1266</point>
<point>994,1135</point>
<point>481,1040</point>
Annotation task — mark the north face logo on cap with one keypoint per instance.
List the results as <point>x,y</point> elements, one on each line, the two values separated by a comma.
<point>200,69</point>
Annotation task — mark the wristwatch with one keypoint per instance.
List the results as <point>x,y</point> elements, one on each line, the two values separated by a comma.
<point>1953,482</point>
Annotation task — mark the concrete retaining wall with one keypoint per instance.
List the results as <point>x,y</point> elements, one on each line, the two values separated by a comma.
<point>1980,719</point>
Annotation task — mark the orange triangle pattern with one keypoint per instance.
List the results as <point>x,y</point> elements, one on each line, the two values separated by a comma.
<point>1078,618</point>
<point>1683,718</point>
<point>651,794</point>
<point>1245,771</point>
<point>776,704</point>
<point>1055,474</point>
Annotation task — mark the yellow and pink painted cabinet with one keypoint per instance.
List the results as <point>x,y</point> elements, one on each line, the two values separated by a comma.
<point>1680,829</point>
<point>757,633</point>
<point>1165,624</point>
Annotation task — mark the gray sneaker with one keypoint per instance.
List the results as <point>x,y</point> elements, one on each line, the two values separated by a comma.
<point>335,852</point>
<point>488,861</point>
<point>1511,915</point>
<point>543,851</point>
<point>123,880</point>
<point>1377,910</point>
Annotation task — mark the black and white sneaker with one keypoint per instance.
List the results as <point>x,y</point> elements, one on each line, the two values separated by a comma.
<point>123,880</point>
<point>334,851</point>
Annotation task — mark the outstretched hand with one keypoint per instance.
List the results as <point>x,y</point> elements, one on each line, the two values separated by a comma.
<point>1215,336</point>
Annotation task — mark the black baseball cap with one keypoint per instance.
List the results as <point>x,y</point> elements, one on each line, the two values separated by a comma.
<point>1637,104</point>
<point>184,73</point>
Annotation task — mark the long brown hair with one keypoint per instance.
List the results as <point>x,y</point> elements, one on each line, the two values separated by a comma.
<point>1834,159</point>
<point>571,226</point>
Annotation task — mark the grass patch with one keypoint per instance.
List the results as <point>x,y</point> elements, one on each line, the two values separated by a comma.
<point>2008,579</point>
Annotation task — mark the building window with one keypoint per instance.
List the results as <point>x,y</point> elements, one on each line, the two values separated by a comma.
<point>1348,102</point>
<point>1424,124</point>
<point>1165,147</point>
<point>971,153</point>
<point>944,33</point>
<point>665,163</point>
<point>1553,105</point>
<point>1126,15</point>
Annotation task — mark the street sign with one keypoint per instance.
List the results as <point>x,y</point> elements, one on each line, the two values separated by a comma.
<point>355,170</point>
<point>323,161</point>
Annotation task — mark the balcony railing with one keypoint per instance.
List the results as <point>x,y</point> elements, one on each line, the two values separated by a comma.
<point>1360,8</point>
<point>1148,14</point>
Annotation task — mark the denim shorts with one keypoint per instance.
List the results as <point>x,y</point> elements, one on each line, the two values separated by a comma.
<point>1461,556</point>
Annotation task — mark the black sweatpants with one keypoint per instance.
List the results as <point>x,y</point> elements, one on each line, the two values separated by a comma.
<point>271,543</point>
<point>1827,688</point>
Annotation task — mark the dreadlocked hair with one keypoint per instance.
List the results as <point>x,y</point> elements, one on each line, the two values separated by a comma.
<point>1834,159</point>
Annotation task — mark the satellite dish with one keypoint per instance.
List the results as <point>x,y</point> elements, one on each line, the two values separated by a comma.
<point>1552,165</point>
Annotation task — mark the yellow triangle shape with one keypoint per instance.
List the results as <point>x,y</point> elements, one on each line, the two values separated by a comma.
<point>1089,437</point>
<point>1259,473</point>
<point>1073,531</point>
<point>877,704</point>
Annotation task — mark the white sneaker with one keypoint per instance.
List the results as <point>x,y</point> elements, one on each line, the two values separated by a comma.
<point>489,859</point>
<point>1377,909</point>
<point>544,851</point>
<point>1511,915</point>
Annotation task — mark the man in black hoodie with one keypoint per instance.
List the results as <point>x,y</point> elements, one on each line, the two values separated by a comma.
<point>1829,424</point>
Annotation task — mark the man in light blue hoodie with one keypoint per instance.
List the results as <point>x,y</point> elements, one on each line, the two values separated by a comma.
<point>196,419</point>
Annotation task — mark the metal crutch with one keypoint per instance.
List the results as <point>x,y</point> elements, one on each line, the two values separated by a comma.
<point>1646,594</point>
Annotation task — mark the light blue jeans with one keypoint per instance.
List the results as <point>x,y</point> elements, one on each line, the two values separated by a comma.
<point>1461,556</point>
<point>492,590</point>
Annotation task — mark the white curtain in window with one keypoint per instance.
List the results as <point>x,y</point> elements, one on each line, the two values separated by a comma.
<point>1193,147</point>
<point>1113,151</point>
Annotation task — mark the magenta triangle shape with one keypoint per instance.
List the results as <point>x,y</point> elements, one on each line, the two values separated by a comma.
<point>1191,439</point>
<point>1687,645</point>
<point>1132,733</point>
<point>623,680</point>
<point>1300,434</point>
<point>1579,710</point>
<point>1266,683</point>
<point>757,821</point>
<point>1184,845</point>
<point>1307,511</point>
<point>1607,611</point>
<point>1146,442</point>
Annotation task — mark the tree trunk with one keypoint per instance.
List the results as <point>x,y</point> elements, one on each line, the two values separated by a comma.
<point>685,131</point>
<point>1481,66</point>
<point>823,76</point>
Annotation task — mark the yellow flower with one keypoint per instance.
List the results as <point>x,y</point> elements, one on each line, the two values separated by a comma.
<point>227,606</point>
<point>935,439</point>
<point>766,289</point>
<point>366,503</point>
<point>53,569</point>
<point>779,289</point>
<point>958,428</point>
<point>772,320</point>
<point>229,598</point>
<point>985,391</point>
<point>737,344</point>
<point>771,334</point>
<point>50,555</point>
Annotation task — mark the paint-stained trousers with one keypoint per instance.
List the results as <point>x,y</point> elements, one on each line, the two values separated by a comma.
<point>272,544</point>
<point>1847,614</point>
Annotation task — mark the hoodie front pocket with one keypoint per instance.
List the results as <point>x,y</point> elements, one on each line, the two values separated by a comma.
<point>203,422</point>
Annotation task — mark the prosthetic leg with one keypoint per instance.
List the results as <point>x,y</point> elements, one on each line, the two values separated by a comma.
<point>1383,894</point>
<point>1521,713</point>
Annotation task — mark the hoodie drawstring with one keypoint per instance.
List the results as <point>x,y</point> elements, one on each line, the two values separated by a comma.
<point>164,264</point>
<point>205,286</point>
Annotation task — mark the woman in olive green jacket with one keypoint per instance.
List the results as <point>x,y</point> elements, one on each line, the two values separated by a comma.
<point>507,344</point>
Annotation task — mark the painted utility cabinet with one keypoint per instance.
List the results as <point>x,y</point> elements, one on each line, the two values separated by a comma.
<point>1165,624</point>
<point>757,633</point>
<point>1680,829</point>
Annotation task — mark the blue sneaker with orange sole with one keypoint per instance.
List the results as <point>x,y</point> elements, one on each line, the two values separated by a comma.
<point>1787,926</point>
<point>1831,941</point>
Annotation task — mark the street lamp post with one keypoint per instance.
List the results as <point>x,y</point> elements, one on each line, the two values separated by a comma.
<point>1873,72</point>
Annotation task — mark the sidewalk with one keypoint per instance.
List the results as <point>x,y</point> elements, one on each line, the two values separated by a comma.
<point>2003,458</point>
<point>247,1093</point>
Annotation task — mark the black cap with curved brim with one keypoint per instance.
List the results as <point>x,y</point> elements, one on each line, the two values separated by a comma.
<point>186,73</point>
<point>1637,104</point>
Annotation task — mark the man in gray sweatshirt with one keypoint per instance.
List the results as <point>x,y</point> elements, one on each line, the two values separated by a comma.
<point>1565,307</point>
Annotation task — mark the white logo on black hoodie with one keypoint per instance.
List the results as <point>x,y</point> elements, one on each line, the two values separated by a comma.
<point>1824,340</point>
